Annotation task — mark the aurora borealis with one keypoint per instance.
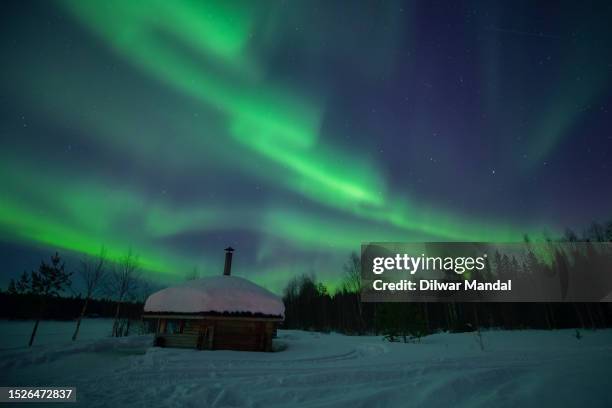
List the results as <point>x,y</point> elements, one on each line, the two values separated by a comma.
<point>294,131</point>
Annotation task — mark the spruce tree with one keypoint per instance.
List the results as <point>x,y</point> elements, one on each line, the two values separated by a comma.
<point>50,280</point>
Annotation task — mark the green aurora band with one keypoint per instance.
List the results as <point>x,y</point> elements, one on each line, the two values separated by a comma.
<point>204,52</point>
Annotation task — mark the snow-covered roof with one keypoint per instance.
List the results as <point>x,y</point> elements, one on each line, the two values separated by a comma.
<point>216,294</point>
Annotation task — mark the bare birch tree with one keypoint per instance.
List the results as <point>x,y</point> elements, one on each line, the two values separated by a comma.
<point>193,274</point>
<point>123,282</point>
<point>352,283</point>
<point>92,270</point>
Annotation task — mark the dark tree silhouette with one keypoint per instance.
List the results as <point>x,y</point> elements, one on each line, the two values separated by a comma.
<point>92,271</point>
<point>123,284</point>
<point>352,284</point>
<point>49,281</point>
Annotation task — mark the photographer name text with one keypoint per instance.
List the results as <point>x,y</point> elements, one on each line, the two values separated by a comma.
<point>436,285</point>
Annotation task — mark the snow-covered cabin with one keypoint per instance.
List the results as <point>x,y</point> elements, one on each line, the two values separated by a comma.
<point>216,312</point>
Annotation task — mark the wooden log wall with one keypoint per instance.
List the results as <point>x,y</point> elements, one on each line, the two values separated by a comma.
<point>221,334</point>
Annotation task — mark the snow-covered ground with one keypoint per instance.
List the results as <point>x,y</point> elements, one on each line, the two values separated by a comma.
<point>518,368</point>
<point>16,333</point>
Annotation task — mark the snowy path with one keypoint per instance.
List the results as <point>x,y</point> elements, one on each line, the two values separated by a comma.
<point>526,368</point>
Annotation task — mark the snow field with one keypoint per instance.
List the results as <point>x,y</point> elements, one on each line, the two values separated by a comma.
<point>517,368</point>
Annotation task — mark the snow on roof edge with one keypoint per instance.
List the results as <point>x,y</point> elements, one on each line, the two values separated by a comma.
<point>217,294</point>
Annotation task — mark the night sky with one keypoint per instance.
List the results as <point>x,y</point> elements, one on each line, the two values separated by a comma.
<point>294,131</point>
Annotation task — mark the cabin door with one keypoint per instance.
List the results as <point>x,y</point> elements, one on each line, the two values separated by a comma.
<point>206,337</point>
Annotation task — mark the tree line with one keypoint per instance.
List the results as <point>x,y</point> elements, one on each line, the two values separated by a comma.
<point>309,305</point>
<point>67,307</point>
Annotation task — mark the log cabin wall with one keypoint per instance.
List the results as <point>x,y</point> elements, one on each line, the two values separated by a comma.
<point>184,338</point>
<point>217,334</point>
<point>243,335</point>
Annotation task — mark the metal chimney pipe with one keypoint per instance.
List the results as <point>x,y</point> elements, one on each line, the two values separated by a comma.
<point>228,261</point>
